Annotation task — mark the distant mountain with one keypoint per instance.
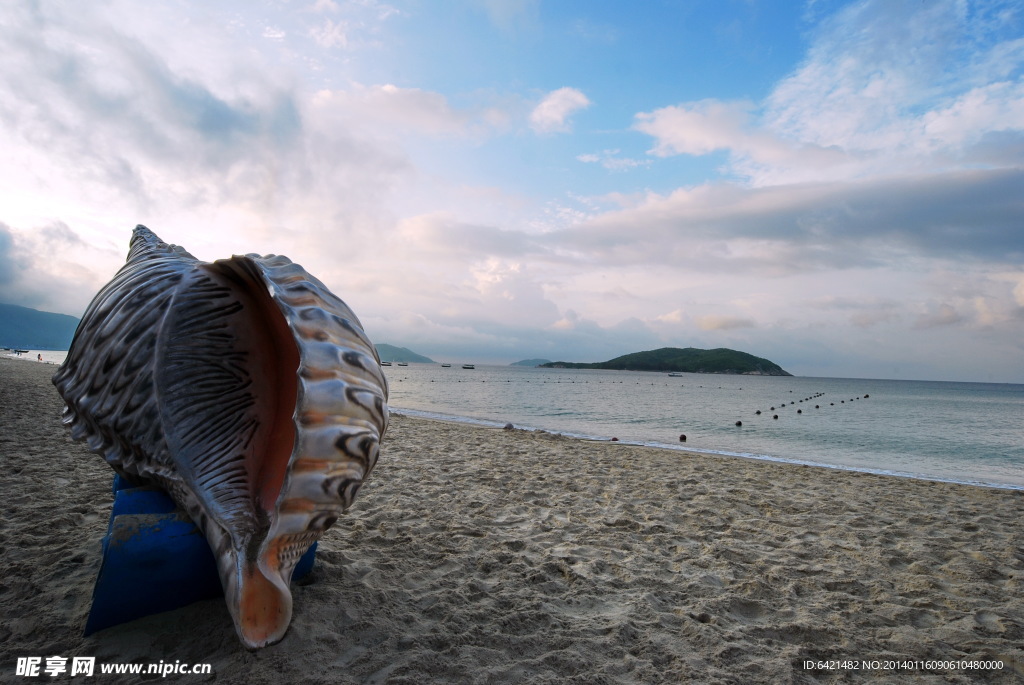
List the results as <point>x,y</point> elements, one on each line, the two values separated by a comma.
<point>31,329</point>
<point>531,362</point>
<point>688,360</point>
<point>390,353</point>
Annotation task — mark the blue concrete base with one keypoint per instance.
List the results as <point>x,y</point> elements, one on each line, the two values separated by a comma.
<point>154,559</point>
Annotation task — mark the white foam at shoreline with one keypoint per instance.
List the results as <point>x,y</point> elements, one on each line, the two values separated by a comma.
<point>436,416</point>
<point>54,357</point>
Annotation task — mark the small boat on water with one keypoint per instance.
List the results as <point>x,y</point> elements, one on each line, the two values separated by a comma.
<point>468,366</point>
<point>445,366</point>
<point>403,363</point>
<point>385,363</point>
<point>675,374</point>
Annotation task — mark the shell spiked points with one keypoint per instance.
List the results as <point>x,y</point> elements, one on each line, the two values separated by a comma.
<point>244,388</point>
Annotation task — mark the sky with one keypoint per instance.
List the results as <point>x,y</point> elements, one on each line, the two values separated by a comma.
<point>837,186</point>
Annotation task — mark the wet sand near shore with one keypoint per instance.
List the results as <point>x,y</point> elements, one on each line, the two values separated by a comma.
<point>478,555</point>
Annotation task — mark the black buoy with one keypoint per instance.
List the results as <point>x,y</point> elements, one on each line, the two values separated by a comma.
<point>682,437</point>
<point>817,407</point>
<point>739,423</point>
<point>776,416</point>
<point>866,396</point>
<point>773,408</point>
<point>615,439</point>
<point>799,411</point>
<point>758,412</point>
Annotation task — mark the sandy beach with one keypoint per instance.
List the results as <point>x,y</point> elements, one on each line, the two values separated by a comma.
<point>479,555</point>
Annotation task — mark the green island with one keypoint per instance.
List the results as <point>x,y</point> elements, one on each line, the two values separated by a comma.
<point>684,360</point>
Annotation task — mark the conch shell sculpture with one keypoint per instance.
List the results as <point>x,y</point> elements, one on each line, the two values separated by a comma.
<point>245,389</point>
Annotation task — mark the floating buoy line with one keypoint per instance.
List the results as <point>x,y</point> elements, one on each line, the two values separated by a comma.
<point>682,436</point>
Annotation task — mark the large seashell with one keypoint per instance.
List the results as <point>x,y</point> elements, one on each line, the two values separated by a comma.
<point>244,388</point>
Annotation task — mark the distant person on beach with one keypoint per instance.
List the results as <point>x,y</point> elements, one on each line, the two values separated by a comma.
<point>40,357</point>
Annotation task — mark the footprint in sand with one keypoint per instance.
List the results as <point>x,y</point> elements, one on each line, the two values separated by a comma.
<point>746,611</point>
<point>990,621</point>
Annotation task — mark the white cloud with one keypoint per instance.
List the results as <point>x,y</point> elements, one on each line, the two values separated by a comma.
<point>512,293</point>
<point>510,14</point>
<point>707,126</point>
<point>862,311</point>
<point>1017,279</point>
<point>887,88</point>
<point>388,109</point>
<point>552,114</point>
<point>443,232</point>
<point>697,129</point>
<point>823,226</point>
<point>324,6</point>
<point>140,127</point>
<point>624,163</point>
<point>870,66</point>
<point>55,255</point>
<point>674,317</point>
<point>903,87</point>
<point>995,107</point>
<point>425,334</point>
<point>862,172</point>
<point>718,322</point>
<point>612,161</point>
<point>331,34</point>
<point>942,314</point>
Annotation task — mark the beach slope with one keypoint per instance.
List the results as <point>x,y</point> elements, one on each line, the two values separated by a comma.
<point>481,555</point>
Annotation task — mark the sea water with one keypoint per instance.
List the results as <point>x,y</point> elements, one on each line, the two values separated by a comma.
<point>960,432</point>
